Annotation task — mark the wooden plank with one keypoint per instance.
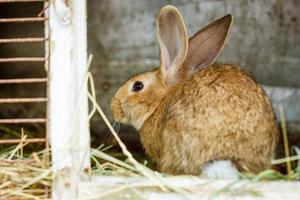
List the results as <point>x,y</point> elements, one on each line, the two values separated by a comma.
<point>68,125</point>
<point>189,187</point>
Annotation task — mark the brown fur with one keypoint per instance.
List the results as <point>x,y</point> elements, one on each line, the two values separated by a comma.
<point>217,113</point>
<point>220,113</point>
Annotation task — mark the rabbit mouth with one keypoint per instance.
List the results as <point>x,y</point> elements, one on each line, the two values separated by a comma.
<point>117,111</point>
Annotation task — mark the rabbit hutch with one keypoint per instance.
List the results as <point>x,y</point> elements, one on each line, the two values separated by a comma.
<point>62,60</point>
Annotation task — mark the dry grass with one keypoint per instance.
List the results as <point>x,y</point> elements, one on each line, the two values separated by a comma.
<point>24,176</point>
<point>30,176</point>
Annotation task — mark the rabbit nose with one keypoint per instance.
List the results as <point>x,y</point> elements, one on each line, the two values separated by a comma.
<point>117,111</point>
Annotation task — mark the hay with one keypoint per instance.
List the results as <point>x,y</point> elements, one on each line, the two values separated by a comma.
<point>29,176</point>
<point>24,176</point>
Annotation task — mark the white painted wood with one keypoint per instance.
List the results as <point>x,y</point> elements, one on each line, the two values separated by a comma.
<point>68,107</point>
<point>141,188</point>
<point>79,9</point>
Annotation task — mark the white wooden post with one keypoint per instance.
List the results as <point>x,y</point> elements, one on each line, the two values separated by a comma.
<point>68,106</point>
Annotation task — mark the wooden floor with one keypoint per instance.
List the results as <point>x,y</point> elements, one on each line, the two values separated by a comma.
<point>187,188</point>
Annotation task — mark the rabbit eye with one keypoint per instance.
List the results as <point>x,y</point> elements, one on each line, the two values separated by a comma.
<point>137,86</point>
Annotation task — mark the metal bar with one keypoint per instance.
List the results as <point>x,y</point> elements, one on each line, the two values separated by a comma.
<point>15,1</point>
<point>47,158</point>
<point>24,19</point>
<point>22,40</point>
<point>16,141</point>
<point>23,80</point>
<point>7,161</point>
<point>23,100</point>
<point>22,59</point>
<point>22,121</point>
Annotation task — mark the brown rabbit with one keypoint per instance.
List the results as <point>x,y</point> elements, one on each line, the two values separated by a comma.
<point>191,113</point>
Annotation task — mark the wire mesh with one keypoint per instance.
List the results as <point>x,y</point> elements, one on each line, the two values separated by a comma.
<point>24,42</point>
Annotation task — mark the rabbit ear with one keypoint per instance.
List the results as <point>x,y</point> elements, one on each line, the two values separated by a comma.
<point>206,44</point>
<point>173,42</point>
